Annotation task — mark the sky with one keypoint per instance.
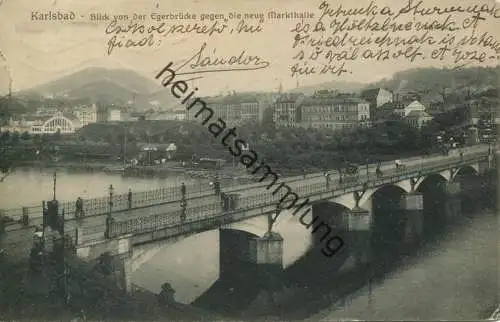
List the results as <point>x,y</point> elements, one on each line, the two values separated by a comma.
<point>35,52</point>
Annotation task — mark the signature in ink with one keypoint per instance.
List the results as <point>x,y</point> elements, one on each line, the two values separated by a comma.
<point>201,63</point>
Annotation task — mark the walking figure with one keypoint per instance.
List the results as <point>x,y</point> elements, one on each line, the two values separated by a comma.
<point>129,198</point>
<point>378,171</point>
<point>327,176</point>
<point>183,209</point>
<point>183,189</point>
<point>217,186</point>
<point>79,208</point>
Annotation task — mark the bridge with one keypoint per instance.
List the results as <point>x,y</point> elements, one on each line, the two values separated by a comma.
<point>343,214</point>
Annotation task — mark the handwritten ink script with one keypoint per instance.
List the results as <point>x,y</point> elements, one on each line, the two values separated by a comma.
<point>412,32</point>
<point>149,31</point>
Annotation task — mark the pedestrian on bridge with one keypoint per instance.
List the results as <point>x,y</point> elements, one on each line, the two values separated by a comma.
<point>129,198</point>
<point>183,190</point>
<point>378,171</point>
<point>217,186</point>
<point>79,208</point>
<point>327,177</point>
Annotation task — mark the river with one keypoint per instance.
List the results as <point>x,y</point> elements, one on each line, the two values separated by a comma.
<point>28,187</point>
<point>456,279</point>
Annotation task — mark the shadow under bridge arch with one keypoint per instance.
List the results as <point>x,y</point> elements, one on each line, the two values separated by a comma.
<point>435,203</point>
<point>388,219</point>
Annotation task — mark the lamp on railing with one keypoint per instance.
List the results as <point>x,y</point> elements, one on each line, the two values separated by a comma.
<point>183,209</point>
<point>109,218</point>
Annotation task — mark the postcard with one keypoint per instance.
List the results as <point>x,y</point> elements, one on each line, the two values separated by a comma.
<point>249,160</point>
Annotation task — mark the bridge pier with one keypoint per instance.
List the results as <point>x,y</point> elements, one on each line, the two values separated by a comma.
<point>245,257</point>
<point>453,204</point>
<point>413,206</point>
<point>357,223</point>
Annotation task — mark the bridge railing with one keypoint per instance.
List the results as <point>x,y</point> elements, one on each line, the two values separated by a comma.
<point>161,221</point>
<point>100,205</point>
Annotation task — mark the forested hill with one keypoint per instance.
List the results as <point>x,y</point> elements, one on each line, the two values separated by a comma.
<point>434,80</point>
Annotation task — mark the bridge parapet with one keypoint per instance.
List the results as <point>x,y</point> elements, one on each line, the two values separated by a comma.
<point>100,205</point>
<point>203,217</point>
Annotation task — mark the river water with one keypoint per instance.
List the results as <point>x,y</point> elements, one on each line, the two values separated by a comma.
<point>191,265</point>
<point>30,186</point>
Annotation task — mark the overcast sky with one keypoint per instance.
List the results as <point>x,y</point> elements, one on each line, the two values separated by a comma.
<point>35,52</point>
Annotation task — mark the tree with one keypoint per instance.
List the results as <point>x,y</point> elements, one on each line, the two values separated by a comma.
<point>6,160</point>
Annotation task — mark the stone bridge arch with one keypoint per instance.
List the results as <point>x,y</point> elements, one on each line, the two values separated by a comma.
<point>367,198</point>
<point>444,176</point>
<point>469,169</point>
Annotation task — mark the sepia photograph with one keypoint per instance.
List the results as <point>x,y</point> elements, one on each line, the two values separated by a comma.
<point>276,160</point>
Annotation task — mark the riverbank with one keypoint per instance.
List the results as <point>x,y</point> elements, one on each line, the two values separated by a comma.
<point>29,296</point>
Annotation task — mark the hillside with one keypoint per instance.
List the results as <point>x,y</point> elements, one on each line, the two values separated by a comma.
<point>100,84</point>
<point>424,80</point>
<point>348,87</point>
<point>434,80</point>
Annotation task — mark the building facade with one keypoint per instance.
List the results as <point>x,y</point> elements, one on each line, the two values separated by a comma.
<point>64,123</point>
<point>286,110</point>
<point>377,97</point>
<point>234,109</point>
<point>327,110</point>
<point>114,115</point>
<point>87,114</point>
<point>405,110</point>
<point>418,119</point>
<point>172,115</point>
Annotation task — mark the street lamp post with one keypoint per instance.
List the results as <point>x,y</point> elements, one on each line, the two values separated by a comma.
<point>183,202</point>
<point>54,186</point>
<point>109,217</point>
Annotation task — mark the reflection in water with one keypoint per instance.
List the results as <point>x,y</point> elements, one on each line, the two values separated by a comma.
<point>191,265</point>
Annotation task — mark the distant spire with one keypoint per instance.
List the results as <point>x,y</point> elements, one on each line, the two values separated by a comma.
<point>297,83</point>
<point>280,90</point>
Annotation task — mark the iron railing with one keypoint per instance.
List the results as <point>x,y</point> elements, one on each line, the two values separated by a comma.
<point>99,206</point>
<point>206,212</point>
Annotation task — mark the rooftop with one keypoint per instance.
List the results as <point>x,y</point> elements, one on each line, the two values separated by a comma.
<point>332,100</point>
<point>418,114</point>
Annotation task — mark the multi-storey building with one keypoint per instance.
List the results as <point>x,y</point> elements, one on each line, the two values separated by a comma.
<point>403,110</point>
<point>287,110</point>
<point>170,115</point>
<point>115,115</point>
<point>86,114</point>
<point>377,97</point>
<point>327,110</point>
<point>233,109</point>
<point>108,114</point>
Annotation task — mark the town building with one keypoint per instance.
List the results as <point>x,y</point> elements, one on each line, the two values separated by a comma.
<point>377,97</point>
<point>418,118</point>
<point>234,109</point>
<point>482,109</point>
<point>59,122</point>
<point>86,114</point>
<point>115,115</point>
<point>108,114</point>
<point>64,123</point>
<point>169,115</point>
<point>286,111</point>
<point>334,111</point>
<point>403,110</point>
